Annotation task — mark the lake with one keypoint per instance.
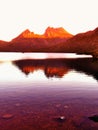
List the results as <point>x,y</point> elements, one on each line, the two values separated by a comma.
<point>48,92</point>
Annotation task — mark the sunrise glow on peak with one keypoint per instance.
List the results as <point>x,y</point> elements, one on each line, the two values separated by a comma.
<point>74,16</point>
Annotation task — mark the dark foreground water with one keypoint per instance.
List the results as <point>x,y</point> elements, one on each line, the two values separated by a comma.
<point>49,94</point>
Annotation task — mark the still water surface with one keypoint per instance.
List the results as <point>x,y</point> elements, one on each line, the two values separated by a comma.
<point>49,93</point>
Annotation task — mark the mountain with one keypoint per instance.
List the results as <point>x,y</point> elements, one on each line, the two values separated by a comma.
<point>82,43</point>
<point>85,43</point>
<point>56,32</point>
<point>50,32</point>
<point>27,34</point>
<point>54,40</point>
<point>28,41</point>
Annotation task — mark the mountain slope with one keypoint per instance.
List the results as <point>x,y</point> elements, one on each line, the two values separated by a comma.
<point>29,42</point>
<point>3,45</point>
<point>83,43</point>
<point>86,43</point>
<point>54,40</point>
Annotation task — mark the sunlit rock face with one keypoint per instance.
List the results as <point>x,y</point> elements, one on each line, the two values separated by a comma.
<point>50,32</point>
<point>56,32</point>
<point>83,43</point>
<point>54,40</point>
<point>28,41</point>
<point>26,34</point>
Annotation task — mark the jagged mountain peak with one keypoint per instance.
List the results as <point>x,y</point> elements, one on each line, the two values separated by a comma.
<point>26,34</point>
<point>55,29</point>
<point>50,32</point>
<point>56,32</point>
<point>26,31</point>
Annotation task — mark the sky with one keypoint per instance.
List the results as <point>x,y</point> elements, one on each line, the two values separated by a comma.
<point>75,16</point>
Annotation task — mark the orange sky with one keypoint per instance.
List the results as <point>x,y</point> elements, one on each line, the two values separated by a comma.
<point>74,15</point>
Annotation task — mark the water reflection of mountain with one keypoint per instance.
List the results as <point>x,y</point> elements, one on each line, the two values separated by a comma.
<point>59,67</point>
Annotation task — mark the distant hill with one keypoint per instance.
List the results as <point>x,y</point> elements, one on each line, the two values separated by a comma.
<point>54,40</point>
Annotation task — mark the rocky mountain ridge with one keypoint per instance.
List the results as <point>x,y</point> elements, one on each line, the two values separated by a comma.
<point>54,40</point>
